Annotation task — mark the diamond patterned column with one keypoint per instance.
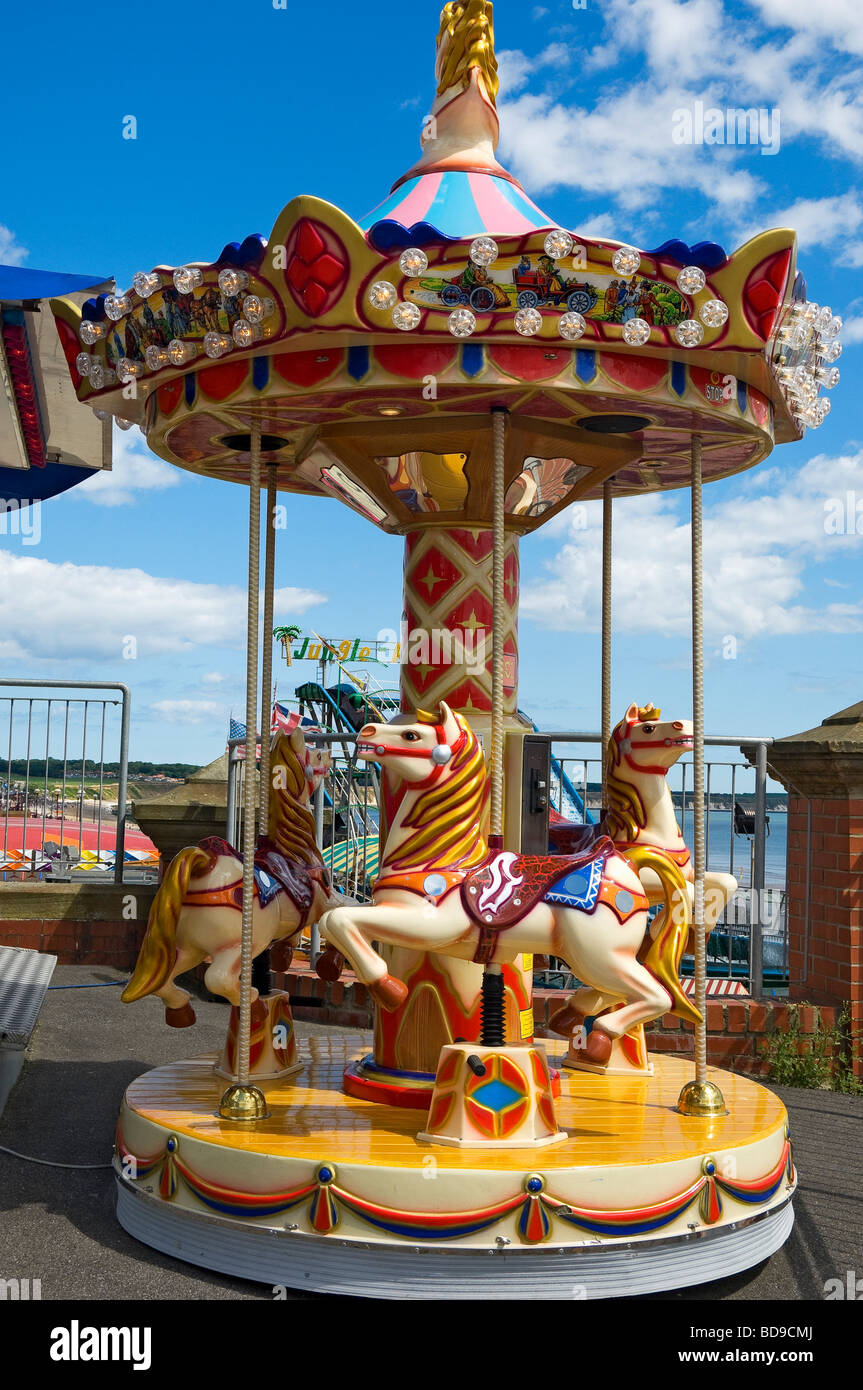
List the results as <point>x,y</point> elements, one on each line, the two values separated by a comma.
<point>447,620</point>
<point>448,608</point>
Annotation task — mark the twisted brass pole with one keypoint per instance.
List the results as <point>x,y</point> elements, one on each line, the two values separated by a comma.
<point>701,1097</point>
<point>243,1101</point>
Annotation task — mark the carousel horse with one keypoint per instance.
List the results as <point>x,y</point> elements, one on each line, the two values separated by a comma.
<point>641,813</point>
<point>197,913</point>
<point>439,889</point>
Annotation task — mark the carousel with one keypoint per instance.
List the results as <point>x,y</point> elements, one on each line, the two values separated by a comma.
<point>457,368</point>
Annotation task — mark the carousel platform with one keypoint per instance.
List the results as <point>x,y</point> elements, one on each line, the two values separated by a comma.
<point>337,1194</point>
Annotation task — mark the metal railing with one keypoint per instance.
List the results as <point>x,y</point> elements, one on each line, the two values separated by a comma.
<point>28,798</point>
<point>757,909</point>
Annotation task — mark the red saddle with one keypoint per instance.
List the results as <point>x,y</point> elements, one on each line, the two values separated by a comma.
<point>504,889</point>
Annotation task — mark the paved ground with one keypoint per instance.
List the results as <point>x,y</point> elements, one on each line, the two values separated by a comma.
<point>58,1224</point>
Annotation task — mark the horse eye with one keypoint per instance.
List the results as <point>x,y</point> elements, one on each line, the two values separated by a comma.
<point>648,728</point>
<point>411,736</point>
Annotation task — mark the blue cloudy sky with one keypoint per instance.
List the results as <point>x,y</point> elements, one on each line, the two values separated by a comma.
<point>241,108</point>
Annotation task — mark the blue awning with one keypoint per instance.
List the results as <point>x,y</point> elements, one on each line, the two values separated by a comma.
<point>18,283</point>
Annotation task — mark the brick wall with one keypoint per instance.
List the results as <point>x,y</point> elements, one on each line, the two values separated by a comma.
<point>78,943</point>
<point>825,959</point>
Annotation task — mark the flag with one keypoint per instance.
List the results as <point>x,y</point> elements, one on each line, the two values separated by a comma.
<point>236,730</point>
<point>283,720</point>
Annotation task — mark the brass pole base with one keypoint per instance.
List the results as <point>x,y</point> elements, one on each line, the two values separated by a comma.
<point>243,1103</point>
<point>701,1098</point>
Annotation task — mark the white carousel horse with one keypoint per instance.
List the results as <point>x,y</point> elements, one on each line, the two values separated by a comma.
<point>440,890</point>
<point>641,813</point>
<point>197,913</point>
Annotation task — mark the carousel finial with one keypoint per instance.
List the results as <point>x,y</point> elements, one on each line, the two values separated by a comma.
<point>461,132</point>
<point>470,31</point>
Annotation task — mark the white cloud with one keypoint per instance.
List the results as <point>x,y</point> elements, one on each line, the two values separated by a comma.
<point>852,331</point>
<point>756,551</point>
<point>80,612</point>
<point>187,711</point>
<point>10,251</point>
<point>691,50</point>
<point>212,678</point>
<point>839,22</point>
<point>134,470</point>
<point>818,222</point>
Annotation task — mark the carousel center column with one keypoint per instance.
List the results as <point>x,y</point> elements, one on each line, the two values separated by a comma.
<point>446,654</point>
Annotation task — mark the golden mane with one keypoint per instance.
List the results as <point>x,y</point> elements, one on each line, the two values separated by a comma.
<point>448,821</point>
<point>471,45</point>
<point>291,824</point>
<point>625,811</point>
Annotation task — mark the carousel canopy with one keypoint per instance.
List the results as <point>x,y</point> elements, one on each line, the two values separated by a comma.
<point>370,354</point>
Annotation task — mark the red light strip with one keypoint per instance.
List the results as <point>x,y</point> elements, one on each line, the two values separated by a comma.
<point>20,366</point>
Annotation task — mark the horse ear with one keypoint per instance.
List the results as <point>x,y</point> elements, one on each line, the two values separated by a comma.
<point>632,714</point>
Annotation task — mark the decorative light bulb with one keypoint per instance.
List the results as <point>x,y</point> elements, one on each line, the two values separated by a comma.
<point>571,325</point>
<point>822,318</point>
<point>823,407</point>
<point>146,284</point>
<point>82,363</point>
<point>382,295</point>
<point>90,332</point>
<point>527,322</point>
<point>179,352</point>
<point>462,322</point>
<point>689,333</point>
<point>117,306</point>
<point>413,262</point>
<point>833,328</point>
<point>256,309</point>
<point>245,333</point>
<point>109,376</point>
<point>123,424</point>
<point>691,279</point>
<point>97,376</point>
<point>127,368</point>
<point>406,316</point>
<point>155,357</point>
<point>626,260</point>
<point>558,244</point>
<point>636,332</point>
<point>217,344</point>
<point>809,311</point>
<point>830,377</point>
<point>832,352</point>
<point>231,281</point>
<point>483,250</point>
<point>187,278</point>
<point>102,414</point>
<point>714,312</point>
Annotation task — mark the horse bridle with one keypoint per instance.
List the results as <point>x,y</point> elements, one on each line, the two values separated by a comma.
<point>439,755</point>
<point>626,744</point>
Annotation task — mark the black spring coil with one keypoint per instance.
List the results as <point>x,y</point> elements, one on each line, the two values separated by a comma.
<point>492,1010</point>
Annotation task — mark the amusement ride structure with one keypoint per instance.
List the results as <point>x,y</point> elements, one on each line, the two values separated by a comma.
<point>457,368</point>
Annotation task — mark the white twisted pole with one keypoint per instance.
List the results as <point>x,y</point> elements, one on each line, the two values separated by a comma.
<point>249,799</point>
<point>606,629</point>
<point>498,419</point>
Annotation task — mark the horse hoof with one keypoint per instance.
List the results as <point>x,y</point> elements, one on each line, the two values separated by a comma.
<point>566,1020</point>
<point>598,1047</point>
<point>183,1017</point>
<point>389,992</point>
<point>329,964</point>
<point>281,955</point>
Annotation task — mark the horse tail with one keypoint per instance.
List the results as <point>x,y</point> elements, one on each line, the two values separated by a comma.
<point>159,949</point>
<point>663,954</point>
